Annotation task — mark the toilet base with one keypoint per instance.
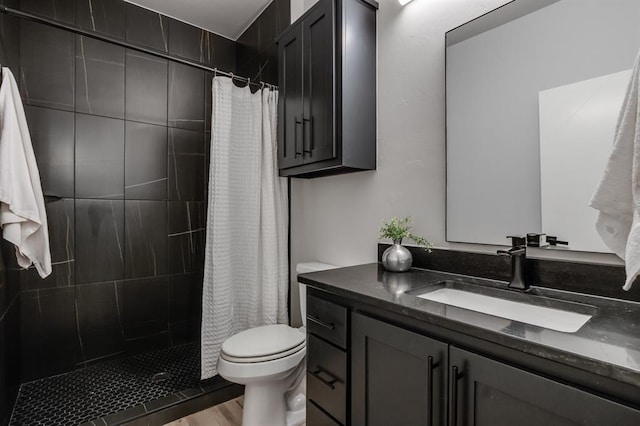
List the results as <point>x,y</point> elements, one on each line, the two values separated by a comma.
<point>263,405</point>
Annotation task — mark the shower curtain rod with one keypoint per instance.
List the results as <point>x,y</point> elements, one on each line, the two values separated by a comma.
<point>102,37</point>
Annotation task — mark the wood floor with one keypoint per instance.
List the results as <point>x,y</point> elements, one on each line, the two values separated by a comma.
<point>226,414</point>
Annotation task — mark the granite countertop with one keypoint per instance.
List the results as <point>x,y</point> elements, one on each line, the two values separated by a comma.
<point>608,344</point>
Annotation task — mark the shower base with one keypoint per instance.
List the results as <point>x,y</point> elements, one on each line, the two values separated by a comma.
<point>115,391</point>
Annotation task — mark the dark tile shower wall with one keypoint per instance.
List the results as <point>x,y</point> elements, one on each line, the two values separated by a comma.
<point>120,136</point>
<point>257,55</point>
<point>9,335</point>
<point>9,279</point>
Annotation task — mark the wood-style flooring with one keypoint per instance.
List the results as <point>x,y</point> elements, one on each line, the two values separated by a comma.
<point>225,414</point>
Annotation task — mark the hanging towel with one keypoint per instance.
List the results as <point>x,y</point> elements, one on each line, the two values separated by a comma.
<point>618,195</point>
<point>22,214</point>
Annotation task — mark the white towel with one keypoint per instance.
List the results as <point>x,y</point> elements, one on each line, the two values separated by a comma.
<point>618,195</point>
<point>22,214</point>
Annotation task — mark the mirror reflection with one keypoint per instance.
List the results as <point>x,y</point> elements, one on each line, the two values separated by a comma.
<point>534,89</point>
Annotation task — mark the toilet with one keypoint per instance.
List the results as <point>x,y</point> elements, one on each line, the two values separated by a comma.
<point>269,361</point>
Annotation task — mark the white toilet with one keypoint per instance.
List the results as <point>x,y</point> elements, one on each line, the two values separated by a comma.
<point>269,361</point>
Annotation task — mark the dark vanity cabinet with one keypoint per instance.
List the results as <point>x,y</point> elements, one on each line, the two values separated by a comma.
<point>327,104</point>
<point>363,370</point>
<point>398,377</point>
<point>484,392</point>
<point>326,363</point>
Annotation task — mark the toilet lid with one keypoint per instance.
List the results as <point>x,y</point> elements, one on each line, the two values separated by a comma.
<point>263,341</point>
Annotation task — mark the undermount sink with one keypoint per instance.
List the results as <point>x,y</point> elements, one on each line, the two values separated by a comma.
<point>553,314</point>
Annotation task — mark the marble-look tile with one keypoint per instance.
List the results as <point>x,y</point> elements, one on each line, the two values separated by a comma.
<point>99,321</point>
<point>257,55</point>
<point>52,85</point>
<point>186,165</point>
<point>4,299</point>
<point>184,331</point>
<point>99,240</point>
<point>9,360</point>
<point>52,135</point>
<point>145,314</point>
<point>146,88</point>
<point>61,221</point>
<point>102,16</point>
<point>10,284</point>
<point>10,44</point>
<point>60,10</point>
<point>186,97</point>
<point>145,238</point>
<point>147,28</point>
<point>99,157</point>
<point>187,41</point>
<point>99,77</point>
<point>47,332</point>
<point>186,236</point>
<point>221,53</point>
<point>185,297</point>
<point>145,161</point>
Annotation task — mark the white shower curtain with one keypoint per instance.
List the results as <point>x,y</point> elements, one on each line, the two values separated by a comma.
<point>246,267</point>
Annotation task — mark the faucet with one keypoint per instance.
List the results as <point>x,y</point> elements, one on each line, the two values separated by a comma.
<point>518,254</point>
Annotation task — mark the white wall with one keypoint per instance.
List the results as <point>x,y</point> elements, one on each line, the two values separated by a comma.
<point>336,219</point>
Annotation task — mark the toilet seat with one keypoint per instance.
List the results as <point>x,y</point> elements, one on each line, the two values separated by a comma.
<point>264,358</point>
<point>263,344</point>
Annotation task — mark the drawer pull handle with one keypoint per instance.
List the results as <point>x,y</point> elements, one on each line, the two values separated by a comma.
<point>330,383</point>
<point>453,396</point>
<point>431,365</point>
<point>315,320</point>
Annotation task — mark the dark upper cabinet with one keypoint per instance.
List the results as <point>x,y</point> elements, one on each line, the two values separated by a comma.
<point>290,104</point>
<point>397,377</point>
<point>486,392</point>
<point>327,108</point>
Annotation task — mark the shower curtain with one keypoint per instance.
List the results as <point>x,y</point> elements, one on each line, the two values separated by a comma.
<point>246,267</point>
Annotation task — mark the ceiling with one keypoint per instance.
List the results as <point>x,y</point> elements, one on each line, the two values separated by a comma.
<point>228,18</point>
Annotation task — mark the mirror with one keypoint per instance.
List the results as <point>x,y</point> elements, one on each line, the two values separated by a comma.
<point>534,89</point>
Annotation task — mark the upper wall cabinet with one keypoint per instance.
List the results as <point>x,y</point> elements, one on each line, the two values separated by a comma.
<point>327,108</point>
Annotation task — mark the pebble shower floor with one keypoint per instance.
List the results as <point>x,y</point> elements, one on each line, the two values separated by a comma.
<point>107,388</point>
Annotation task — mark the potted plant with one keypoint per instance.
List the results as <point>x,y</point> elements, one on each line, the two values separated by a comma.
<point>397,258</point>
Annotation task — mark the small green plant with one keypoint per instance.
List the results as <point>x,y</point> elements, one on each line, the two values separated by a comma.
<point>398,229</point>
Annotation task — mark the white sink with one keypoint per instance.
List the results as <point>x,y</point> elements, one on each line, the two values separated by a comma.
<point>542,316</point>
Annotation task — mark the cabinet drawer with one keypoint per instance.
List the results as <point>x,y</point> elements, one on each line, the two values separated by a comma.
<point>327,377</point>
<point>317,417</point>
<point>327,320</point>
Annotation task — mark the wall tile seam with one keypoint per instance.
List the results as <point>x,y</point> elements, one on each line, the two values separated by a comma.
<point>10,306</point>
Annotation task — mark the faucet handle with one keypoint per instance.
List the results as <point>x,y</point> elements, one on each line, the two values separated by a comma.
<point>518,240</point>
<point>554,241</point>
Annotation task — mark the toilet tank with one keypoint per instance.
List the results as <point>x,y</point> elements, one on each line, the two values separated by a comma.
<point>303,268</point>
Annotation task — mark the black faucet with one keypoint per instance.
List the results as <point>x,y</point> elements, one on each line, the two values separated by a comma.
<point>518,253</point>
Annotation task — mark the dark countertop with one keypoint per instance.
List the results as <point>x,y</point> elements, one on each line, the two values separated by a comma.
<point>608,344</point>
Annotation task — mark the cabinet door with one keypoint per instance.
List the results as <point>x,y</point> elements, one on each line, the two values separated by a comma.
<point>398,377</point>
<point>318,120</point>
<point>290,123</point>
<point>483,392</point>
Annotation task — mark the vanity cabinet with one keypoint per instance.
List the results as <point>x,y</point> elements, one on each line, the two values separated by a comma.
<point>327,101</point>
<point>387,374</point>
<point>484,392</point>
<point>398,377</point>
<point>327,357</point>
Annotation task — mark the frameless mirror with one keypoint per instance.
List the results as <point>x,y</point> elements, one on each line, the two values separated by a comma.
<point>534,89</point>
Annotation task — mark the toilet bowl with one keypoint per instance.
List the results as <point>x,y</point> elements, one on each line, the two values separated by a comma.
<point>269,361</point>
